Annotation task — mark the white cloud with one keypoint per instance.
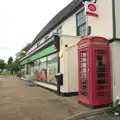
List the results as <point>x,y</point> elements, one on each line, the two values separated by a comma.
<point>21,20</point>
<point>3,48</point>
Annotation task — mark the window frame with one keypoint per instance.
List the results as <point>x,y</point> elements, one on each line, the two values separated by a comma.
<point>82,23</point>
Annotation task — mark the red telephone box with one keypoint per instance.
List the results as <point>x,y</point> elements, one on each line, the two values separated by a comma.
<point>94,71</point>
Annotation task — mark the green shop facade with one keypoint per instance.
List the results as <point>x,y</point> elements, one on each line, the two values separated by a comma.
<point>43,62</point>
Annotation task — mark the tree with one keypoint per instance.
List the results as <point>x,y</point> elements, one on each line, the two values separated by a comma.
<point>2,65</point>
<point>9,64</point>
<point>15,66</point>
<point>26,47</point>
<point>10,60</point>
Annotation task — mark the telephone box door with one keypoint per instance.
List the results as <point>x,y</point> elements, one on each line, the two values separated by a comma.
<point>83,74</point>
<point>102,75</point>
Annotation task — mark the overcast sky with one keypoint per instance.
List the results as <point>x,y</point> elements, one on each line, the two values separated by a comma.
<point>21,20</point>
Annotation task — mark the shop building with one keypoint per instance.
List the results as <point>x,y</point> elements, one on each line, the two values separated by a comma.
<point>77,20</point>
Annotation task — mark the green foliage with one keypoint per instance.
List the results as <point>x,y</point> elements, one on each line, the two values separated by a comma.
<point>13,66</point>
<point>20,54</point>
<point>114,108</point>
<point>5,73</point>
<point>2,65</point>
<point>26,47</point>
<point>10,60</point>
<point>9,63</point>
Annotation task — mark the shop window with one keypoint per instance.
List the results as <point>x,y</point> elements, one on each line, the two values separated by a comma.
<point>46,68</point>
<point>42,75</point>
<point>36,69</point>
<point>52,68</point>
<point>23,70</point>
<point>81,23</point>
<point>30,68</point>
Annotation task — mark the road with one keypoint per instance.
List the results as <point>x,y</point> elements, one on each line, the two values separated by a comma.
<point>21,102</point>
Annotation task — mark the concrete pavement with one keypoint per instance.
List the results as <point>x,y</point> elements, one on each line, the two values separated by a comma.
<point>21,102</point>
<point>103,117</point>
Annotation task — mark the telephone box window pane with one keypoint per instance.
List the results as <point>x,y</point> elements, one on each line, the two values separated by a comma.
<point>83,59</point>
<point>84,93</point>
<point>84,54</point>
<point>83,76</point>
<point>102,94</point>
<point>83,70</point>
<point>83,64</point>
<point>103,81</point>
<point>102,75</point>
<point>100,58</point>
<point>84,87</point>
<point>101,61</point>
<point>101,69</point>
<point>101,88</point>
<point>83,81</point>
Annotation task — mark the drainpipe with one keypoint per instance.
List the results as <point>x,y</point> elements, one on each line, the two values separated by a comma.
<point>114,37</point>
<point>114,19</point>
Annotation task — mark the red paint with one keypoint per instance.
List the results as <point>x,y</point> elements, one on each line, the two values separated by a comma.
<point>92,7</point>
<point>55,47</point>
<point>98,89</point>
<point>92,14</point>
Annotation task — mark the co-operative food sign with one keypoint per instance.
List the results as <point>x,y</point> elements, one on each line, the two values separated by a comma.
<point>91,8</point>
